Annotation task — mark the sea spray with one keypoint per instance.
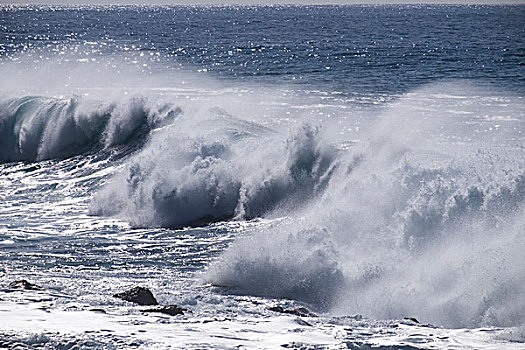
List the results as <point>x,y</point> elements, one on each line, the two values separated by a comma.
<point>179,180</point>
<point>289,259</point>
<point>407,226</point>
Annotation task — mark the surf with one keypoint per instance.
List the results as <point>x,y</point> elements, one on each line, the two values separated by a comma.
<point>413,206</point>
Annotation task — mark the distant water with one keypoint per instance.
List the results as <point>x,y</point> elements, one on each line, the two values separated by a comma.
<point>366,162</point>
<point>354,49</point>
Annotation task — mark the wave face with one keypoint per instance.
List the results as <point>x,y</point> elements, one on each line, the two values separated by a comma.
<point>37,128</point>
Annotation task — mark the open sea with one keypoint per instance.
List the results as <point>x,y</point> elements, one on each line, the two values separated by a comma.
<point>301,177</point>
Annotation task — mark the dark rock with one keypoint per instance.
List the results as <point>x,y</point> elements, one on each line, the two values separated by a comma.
<point>138,295</point>
<point>296,345</point>
<point>298,311</point>
<point>100,311</point>
<point>411,319</point>
<point>302,322</point>
<point>171,310</point>
<point>23,284</point>
<point>276,309</point>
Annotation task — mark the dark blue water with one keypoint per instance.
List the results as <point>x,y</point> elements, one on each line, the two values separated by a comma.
<point>349,48</point>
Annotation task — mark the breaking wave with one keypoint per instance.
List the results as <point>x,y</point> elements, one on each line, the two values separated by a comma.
<point>414,222</point>
<point>424,216</point>
<point>37,128</point>
<point>178,180</point>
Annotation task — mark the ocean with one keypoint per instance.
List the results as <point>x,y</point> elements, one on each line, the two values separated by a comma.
<point>305,177</point>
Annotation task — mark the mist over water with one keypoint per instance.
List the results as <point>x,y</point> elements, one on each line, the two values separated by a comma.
<point>424,218</point>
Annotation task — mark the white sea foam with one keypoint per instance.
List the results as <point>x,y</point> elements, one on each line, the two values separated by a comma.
<point>426,219</point>
<point>180,180</point>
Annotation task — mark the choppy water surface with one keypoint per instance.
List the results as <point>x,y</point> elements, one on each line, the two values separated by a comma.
<point>365,162</point>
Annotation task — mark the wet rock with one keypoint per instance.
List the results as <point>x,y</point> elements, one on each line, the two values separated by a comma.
<point>298,311</point>
<point>302,322</point>
<point>100,311</point>
<point>24,284</point>
<point>138,295</point>
<point>296,345</point>
<point>171,310</point>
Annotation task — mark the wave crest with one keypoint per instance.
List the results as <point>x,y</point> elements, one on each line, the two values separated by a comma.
<point>37,128</point>
<point>182,180</point>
